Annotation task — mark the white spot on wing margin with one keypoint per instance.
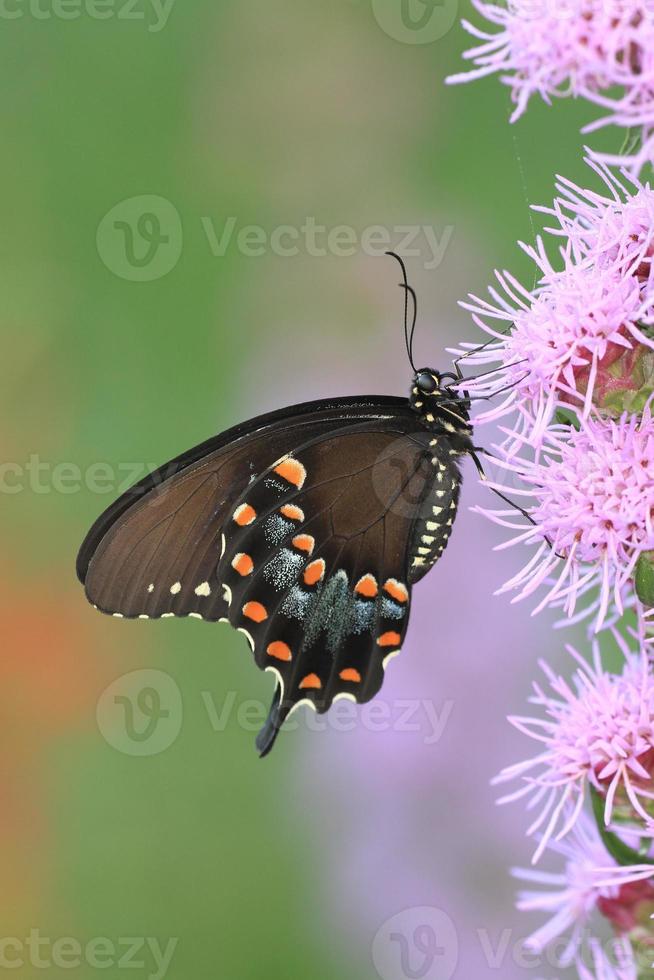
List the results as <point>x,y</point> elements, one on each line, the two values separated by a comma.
<point>390,656</point>
<point>248,636</point>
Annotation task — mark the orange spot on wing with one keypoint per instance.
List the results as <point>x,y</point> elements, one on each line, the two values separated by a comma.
<point>367,586</point>
<point>255,611</point>
<point>390,639</point>
<point>279,650</point>
<point>395,589</point>
<point>350,674</point>
<point>304,542</point>
<point>292,471</point>
<point>314,571</point>
<point>312,682</point>
<point>243,564</point>
<point>244,515</point>
<point>292,512</point>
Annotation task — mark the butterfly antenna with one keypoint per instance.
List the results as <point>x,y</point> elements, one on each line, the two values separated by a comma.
<point>409,289</point>
<point>408,334</point>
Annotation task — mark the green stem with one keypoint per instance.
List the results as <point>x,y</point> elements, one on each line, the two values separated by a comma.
<point>623,854</point>
<point>632,141</point>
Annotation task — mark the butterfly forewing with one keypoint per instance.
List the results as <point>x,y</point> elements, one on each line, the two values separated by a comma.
<point>152,553</point>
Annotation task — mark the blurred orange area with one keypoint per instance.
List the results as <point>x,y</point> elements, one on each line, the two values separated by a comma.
<point>54,664</point>
<point>50,670</point>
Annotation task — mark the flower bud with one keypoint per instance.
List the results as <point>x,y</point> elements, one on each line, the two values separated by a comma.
<point>624,379</point>
<point>630,912</point>
<point>631,908</point>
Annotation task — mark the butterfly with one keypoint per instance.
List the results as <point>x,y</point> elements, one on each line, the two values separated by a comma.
<point>305,529</point>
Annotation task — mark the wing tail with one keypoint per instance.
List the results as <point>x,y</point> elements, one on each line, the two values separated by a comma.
<point>268,735</point>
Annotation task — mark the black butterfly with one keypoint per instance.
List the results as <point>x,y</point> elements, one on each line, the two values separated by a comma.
<point>305,529</point>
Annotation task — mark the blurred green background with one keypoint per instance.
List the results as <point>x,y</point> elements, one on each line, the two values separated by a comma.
<point>270,113</point>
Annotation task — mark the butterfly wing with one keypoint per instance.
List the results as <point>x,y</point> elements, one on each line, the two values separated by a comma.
<point>295,529</point>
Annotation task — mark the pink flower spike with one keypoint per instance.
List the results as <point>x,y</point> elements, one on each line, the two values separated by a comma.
<point>594,494</point>
<point>599,732</point>
<point>561,348</point>
<point>612,231</point>
<point>598,50</point>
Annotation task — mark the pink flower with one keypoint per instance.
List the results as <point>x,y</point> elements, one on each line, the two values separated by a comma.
<point>572,896</point>
<point>598,731</point>
<point>613,231</point>
<point>593,516</point>
<point>600,50</point>
<point>566,333</point>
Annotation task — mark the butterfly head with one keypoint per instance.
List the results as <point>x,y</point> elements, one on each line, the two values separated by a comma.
<point>442,407</point>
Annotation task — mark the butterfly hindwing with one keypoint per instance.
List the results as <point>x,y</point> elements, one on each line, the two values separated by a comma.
<point>315,562</point>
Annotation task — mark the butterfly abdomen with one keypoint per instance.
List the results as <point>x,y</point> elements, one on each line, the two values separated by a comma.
<point>437,512</point>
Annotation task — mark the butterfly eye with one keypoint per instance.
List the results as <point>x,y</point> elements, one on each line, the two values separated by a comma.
<point>426,382</point>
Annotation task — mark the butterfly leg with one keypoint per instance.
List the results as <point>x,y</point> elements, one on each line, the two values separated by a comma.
<point>498,493</point>
<point>476,350</point>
